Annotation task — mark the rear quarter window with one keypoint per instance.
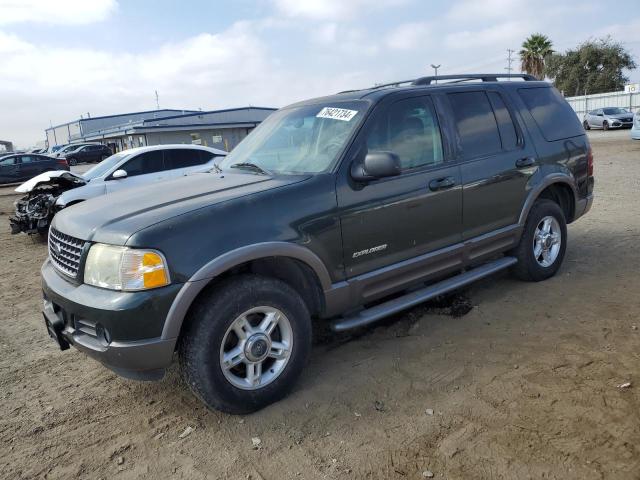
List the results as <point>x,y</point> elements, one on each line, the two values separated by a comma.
<point>553,115</point>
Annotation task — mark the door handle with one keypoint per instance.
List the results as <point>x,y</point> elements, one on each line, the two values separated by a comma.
<point>525,162</point>
<point>442,183</point>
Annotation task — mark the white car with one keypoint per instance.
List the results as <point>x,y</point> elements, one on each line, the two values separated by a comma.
<point>50,192</point>
<point>635,129</point>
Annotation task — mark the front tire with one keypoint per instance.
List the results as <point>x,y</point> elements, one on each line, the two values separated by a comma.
<point>543,242</point>
<point>245,344</point>
<point>605,126</point>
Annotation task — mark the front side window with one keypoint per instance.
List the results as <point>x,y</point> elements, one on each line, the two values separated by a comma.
<point>304,139</point>
<point>145,163</point>
<point>410,130</point>
<point>8,161</point>
<point>476,124</point>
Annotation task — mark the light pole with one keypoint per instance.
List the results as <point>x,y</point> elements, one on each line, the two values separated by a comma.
<point>436,67</point>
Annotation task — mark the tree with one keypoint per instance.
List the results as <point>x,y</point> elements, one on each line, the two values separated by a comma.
<point>595,66</point>
<point>535,50</point>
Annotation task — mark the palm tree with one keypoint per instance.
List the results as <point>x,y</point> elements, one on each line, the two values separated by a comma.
<point>535,50</point>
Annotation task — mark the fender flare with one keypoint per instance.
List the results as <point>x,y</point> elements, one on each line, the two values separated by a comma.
<point>223,263</point>
<point>546,182</point>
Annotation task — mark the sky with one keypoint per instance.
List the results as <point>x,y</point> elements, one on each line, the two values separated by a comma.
<point>60,59</point>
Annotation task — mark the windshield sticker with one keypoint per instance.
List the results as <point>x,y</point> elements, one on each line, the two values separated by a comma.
<point>337,113</point>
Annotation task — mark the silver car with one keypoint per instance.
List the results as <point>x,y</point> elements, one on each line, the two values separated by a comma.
<point>635,130</point>
<point>50,192</point>
<point>606,118</point>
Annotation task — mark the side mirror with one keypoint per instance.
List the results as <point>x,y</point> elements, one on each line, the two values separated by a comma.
<point>376,165</point>
<point>119,174</point>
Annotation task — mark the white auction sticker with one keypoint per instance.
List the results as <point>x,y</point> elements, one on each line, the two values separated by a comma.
<point>337,113</point>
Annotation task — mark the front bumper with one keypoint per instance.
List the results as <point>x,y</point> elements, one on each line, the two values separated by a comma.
<point>122,330</point>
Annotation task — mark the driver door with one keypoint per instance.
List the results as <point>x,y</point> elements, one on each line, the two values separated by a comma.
<point>395,219</point>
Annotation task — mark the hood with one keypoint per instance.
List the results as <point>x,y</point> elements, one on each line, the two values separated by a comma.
<point>60,178</point>
<point>114,217</point>
<point>620,116</point>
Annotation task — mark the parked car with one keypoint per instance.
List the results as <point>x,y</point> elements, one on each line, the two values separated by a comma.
<point>346,209</point>
<point>635,130</point>
<point>66,149</point>
<point>42,151</point>
<point>87,154</point>
<point>49,193</point>
<point>606,118</point>
<point>19,167</point>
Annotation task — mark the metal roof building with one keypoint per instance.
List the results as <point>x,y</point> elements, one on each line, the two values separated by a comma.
<point>217,128</point>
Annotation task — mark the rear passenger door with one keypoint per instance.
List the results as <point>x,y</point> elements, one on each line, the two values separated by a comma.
<point>29,167</point>
<point>496,160</point>
<point>142,169</point>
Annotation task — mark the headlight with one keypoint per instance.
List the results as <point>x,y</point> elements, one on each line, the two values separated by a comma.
<point>122,268</point>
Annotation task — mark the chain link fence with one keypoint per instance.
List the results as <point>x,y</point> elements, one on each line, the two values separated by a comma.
<point>586,103</point>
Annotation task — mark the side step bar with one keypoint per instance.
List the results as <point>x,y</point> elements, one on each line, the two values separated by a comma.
<point>373,314</point>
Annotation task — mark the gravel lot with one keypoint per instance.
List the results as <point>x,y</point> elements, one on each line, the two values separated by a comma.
<point>523,386</point>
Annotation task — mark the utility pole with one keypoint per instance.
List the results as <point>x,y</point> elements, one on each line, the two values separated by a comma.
<point>157,101</point>
<point>510,51</point>
<point>436,67</point>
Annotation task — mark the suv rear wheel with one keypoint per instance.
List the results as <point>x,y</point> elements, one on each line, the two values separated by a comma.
<point>246,344</point>
<point>543,242</point>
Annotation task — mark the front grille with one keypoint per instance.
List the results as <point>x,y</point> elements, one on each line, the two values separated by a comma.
<point>65,252</point>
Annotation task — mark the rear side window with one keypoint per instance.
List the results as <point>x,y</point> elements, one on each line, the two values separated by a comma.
<point>476,124</point>
<point>553,115</point>
<point>506,125</point>
<point>27,159</point>
<point>183,158</point>
<point>149,162</point>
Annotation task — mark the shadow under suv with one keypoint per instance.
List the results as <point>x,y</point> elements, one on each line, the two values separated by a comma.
<point>345,209</point>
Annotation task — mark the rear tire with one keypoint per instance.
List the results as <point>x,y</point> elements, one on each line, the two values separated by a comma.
<point>586,125</point>
<point>73,162</point>
<point>543,242</point>
<point>221,366</point>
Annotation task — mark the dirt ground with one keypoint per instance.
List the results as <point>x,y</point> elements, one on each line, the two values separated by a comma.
<point>523,386</point>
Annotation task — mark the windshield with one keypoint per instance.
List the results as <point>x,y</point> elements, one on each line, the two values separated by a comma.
<point>104,166</point>
<point>306,139</point>
<point>614,111</point>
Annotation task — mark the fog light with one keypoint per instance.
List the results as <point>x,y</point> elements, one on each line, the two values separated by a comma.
<point>103,334</point>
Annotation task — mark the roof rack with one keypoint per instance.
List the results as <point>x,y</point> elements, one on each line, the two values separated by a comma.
<point>485,77</point>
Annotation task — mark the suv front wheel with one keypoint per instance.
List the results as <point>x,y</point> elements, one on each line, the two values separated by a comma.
<point>543,242</point>
<point>245,344</point>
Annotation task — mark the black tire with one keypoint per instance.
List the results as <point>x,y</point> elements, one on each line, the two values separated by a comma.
<point>586,125</point>
<point>528,268</point>
<point>72,162</point>
<point>605,125</point>
<point>205,329</point>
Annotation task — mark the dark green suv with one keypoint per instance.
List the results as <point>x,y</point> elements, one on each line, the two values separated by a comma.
<point>345,209</point>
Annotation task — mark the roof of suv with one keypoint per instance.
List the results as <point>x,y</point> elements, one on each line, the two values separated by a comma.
<point>424,83</point>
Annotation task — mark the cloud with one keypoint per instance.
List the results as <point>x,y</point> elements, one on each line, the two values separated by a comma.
<point>408,36</point>
<point>61,12</point>
<point>337,10</point>
<point>508,33</point>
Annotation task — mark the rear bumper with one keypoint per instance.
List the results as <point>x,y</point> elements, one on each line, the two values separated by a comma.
<point>80,315</point>
<point>583,206</point>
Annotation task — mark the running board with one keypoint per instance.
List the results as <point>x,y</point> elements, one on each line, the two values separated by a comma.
<point>373,314</point>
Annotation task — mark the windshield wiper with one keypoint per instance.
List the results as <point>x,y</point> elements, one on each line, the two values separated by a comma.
<point>250,166</point>
<point>215,168</point>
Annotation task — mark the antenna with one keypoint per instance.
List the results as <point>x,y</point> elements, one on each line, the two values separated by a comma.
<point>157,101</point>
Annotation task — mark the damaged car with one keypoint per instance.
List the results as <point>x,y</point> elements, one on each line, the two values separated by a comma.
<point>50,192</point>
